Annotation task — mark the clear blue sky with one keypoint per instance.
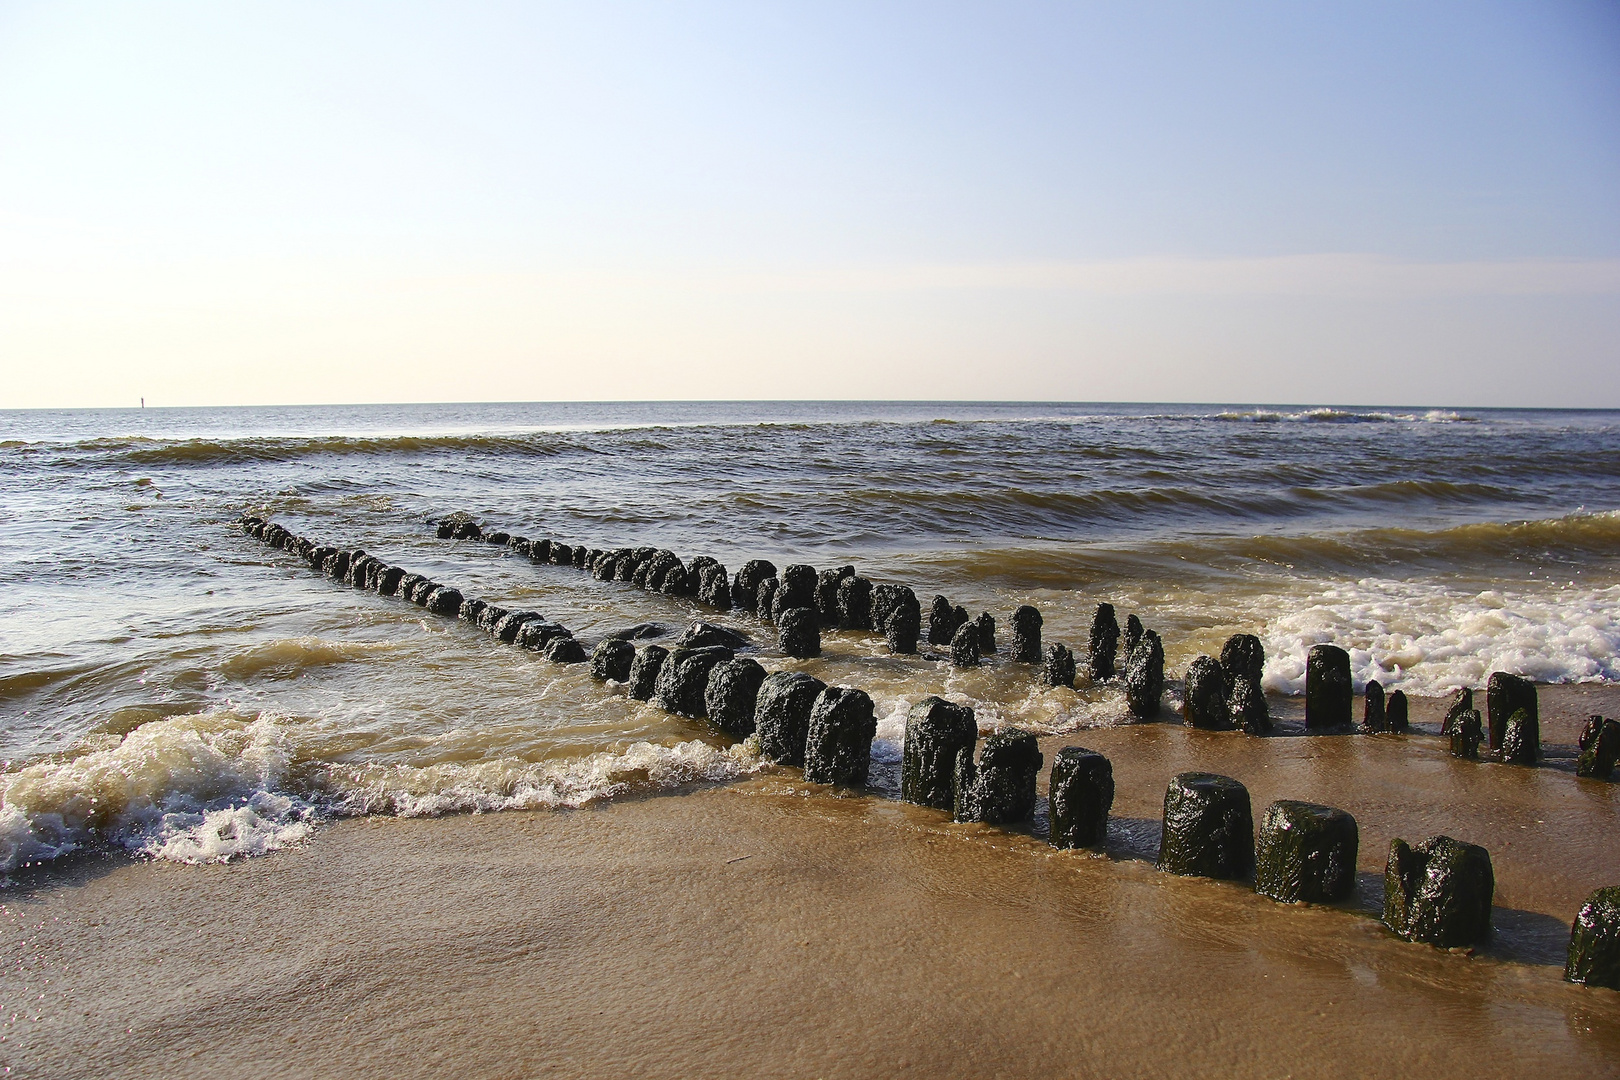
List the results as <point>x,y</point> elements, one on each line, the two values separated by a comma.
<point>1362,203</point>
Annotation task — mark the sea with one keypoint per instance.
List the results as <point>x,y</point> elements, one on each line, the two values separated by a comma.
<point>174,688</point>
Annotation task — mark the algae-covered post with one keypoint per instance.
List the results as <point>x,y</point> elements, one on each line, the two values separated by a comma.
<point>612,659</point>
<point>1438,891</point>
<point>936,731</point>
<point>1104,643</point>
<point>1144,676</point>
<point>1594,941</point>
<point>1081,793</point>
<point>1133,634</point>
<point>965,646</point>
<point>1305,853</point>
<point>1600,748</point>
<point>1396,711</point>
<point>683,678</point>
<point>565,650</point>
<point>733,694</point>
<point>855,603</point>
<point>1208,827</point>
<point>782,714</point>
<point>1467,732</point>
<point>1505,695</point>
<point>985,624</point>
<point>799,632</point>
<point>643,678</point>
<point>1329,694</point>
<point>838,742</point>
<point>1001,788</point>
<point>896,612</point>
<point>1026,635</point>
<point>1521,740</point>
<point>941,625</point>
<point>1372,707</point>
<point>745,589</point>
<point>1058,668</point>
<point>1205,704</point>
<point>1243,659</point>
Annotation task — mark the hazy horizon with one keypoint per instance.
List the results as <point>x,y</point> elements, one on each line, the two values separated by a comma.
<point>1259,203</point>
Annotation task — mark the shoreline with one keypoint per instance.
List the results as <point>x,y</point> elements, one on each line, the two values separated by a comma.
<point>770,927</point>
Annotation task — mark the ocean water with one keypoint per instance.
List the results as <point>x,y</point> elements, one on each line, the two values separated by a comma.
<point>173,687</point>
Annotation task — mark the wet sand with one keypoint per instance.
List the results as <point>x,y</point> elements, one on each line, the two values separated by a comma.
<point>770,928</point>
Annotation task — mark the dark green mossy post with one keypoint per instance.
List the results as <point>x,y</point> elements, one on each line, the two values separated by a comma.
<point>1243,658</point>
<point>1329,694</point>
<point>1373,719</point>
<point>1026,635</point>
<point>1080,795</point>
<point>540,550</point>
<point>511,624</point>
<point>487,617</point>
<point>1305,853</point>
<point>536,634</point>
<point>612,660</point>
<point>765,599</point>
<point>1208,828</point>
<point>1205,705</point>
<point>1466,735</point>
<point>684,677</point>
<point>1144,676</point>
<point>1439,891</point>
<point>1132,634</point>
<point>1001,788</point>
<point>1248,708</point>
<point>782,714</point>
<point>444,600</point>
<point>565,650</point>
<point>900,618</point>
<point>965,646</point>
<point>1104,644</point>
<point>1395,713</point>
<point>1521,739</point>
<point>335,565</point>
<point>799,632</point>
<point>1594,941</point>
<point>985,624</point>
<point>388,579</point>
<point>714,588</point>
<point>838,743</point>
<point>1058,669</point>
<point>855,603</point>
<point>1505,695</point>
<point>827,583</point>
<point>745,588</point>
<point>733,694</point>
<point>798,588</point>
<point>936,730</point>
<point>941,623</point>
<point>1600,748</point>
<point>421,591</point>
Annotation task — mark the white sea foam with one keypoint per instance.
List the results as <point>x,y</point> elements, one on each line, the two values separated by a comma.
<point>1429,639</point>
<point>1344,416</point>
<point>515,784</point>
<point>214,786</point>
<point>193,788</point>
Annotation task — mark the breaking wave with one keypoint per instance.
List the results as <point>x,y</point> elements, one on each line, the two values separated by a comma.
<point>218,785</point>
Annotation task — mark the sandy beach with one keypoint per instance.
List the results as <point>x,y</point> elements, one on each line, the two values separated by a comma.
<point>774,928</point>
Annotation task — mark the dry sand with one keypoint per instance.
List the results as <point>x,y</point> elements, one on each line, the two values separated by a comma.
<point>770,928</point>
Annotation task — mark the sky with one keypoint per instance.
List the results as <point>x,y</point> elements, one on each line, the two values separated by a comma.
<point>281,203</point>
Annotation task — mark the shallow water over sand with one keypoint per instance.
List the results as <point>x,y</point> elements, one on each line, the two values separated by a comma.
<point>169,685</point>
